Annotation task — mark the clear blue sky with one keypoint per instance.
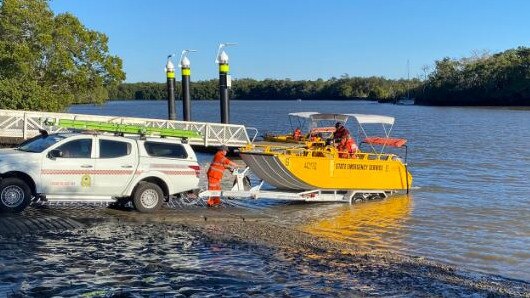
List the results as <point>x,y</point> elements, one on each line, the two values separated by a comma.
<point>301,39</point>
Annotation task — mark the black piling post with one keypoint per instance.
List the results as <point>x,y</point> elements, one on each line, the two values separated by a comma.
<point>186,98</point>
<point>224,81</point>
<point>170,75</point>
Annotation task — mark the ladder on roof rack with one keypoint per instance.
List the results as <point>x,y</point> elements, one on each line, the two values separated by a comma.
<point>123,128</point>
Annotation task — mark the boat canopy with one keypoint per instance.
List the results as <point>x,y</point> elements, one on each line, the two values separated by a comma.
<point>316,118</point>
<point>372,119</point>
<point>306,115</point>
<point>361,118</point>
<point>329,117</point>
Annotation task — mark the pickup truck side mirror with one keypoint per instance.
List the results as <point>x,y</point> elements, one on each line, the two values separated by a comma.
<point>53,154</point>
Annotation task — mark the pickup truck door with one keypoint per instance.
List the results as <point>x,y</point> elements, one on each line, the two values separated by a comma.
<point>72,173</point>
<point>116,163</point>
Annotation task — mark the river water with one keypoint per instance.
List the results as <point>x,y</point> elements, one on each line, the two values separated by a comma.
<point>470,205</point>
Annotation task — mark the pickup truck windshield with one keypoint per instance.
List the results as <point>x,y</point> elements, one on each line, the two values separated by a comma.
<point>40,143</point>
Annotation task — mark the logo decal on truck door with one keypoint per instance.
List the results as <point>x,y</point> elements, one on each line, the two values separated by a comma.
<point>86,181</point>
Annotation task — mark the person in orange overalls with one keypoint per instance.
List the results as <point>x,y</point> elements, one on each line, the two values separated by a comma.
<point>297,134</point>
<point>216,171</point>
<point>347,147</point>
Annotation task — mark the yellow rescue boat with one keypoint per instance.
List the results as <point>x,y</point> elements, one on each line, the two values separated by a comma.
<point>317,166</point>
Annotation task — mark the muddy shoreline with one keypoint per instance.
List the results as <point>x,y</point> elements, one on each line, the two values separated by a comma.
<point>365,272</point>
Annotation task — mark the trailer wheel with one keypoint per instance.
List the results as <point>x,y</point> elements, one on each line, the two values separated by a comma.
<point>147,197</point>
<point>15,195</point>
<point>357,198</point>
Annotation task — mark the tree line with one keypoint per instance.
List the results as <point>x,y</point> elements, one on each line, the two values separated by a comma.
<point>484,79</point>
<point>375,88</point>
<point>501,79</point>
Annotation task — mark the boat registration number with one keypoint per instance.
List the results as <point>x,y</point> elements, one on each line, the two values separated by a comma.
<point>310,165</point>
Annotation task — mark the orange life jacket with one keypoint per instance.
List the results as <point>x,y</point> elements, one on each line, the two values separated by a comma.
<point>351,146</point>
<point>217,167</point>
<point>348,147</point>
<point>297,134</point>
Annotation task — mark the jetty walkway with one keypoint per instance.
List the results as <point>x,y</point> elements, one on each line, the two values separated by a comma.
<point>16,126</point>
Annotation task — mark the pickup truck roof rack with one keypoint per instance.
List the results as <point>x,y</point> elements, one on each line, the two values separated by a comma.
<point>118,128</point>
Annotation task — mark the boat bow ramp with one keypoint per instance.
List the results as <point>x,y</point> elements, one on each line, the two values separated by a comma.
<point>20,125</point>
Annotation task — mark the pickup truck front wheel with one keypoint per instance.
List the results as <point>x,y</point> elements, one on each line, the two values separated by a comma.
<point>147,197</point>
<point>15,195</point>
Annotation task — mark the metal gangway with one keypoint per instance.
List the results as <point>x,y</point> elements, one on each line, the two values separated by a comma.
<point>21,125</point>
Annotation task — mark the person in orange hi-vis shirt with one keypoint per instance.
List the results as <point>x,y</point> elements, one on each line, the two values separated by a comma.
<point>215,173</point>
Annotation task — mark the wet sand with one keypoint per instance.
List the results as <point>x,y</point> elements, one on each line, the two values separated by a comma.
<point>360,272</point>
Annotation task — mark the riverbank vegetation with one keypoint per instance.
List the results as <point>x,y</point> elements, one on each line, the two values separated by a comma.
<point>343,88</point>
<point>48,62</point>
<point>498,79</point>
<point>501,79</point>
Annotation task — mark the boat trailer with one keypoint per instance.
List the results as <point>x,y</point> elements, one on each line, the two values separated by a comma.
<point>241,190</point>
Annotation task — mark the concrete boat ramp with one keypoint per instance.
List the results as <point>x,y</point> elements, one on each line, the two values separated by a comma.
<point>36,220</point>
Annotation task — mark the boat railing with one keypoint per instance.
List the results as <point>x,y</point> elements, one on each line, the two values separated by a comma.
<point>375,156</point>
<point>327,152</point>
<point>358,155</point>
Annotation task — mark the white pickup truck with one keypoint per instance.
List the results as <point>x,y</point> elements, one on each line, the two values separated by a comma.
<point>96,167</point>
